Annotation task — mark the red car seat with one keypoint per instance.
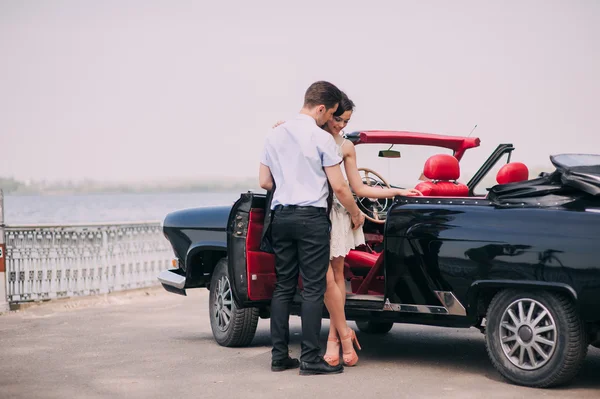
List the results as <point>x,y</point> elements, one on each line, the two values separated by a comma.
<point>512,172</point>
<point>442,170</point>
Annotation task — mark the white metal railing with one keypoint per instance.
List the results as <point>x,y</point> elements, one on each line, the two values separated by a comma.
<point>45,262</point>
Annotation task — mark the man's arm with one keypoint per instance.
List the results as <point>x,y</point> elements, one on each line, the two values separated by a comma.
<point>344,195</point>
<point>265,178</point>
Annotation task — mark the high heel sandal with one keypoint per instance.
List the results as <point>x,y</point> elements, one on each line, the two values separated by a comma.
<point>333,360</point>
<point>351,358</point>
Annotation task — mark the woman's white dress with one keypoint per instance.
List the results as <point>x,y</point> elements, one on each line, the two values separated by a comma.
<point>343,238</point>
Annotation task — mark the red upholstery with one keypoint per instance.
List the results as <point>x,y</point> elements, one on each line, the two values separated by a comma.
<point>440,169</point>
<point>368,283</point>
<point>255,225</point>
<point>512,172</point>
<point>261,275</point>
<point>443,189</point>
<point>260,265</point>
<point>363,269</point>
<point>360,259</point>
<point>376,286</point>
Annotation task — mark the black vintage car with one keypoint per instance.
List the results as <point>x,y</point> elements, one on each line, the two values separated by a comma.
<point>518,261</point>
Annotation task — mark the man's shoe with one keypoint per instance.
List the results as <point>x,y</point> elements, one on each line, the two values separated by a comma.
<point>285,364</point>
<point>319,367</point>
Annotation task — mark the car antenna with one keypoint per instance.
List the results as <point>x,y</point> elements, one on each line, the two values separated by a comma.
<point>474,127</point>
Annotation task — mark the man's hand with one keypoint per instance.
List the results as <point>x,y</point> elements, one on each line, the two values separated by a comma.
<point>411,192</point>
<point>277,124</point>
<point>358,220</point>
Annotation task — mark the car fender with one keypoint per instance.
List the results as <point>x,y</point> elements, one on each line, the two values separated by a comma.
<point>195,277</point>
<point>204,246</point>
<point>480,286</point>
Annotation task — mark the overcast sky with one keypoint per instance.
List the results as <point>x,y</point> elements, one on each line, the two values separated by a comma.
<point>144,90</point>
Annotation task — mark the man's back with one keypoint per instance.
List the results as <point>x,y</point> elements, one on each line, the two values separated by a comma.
<point>296,152</point>
<point>292,163</point>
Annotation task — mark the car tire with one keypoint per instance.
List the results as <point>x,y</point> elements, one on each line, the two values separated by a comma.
<point>541,348</point>
<point>231,326</point>
<point>374,327</point>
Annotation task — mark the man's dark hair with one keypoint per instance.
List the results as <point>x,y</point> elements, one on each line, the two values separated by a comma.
<point>322,92</point>
<point>345,105</point>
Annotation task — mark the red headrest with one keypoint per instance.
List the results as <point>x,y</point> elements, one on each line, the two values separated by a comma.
<point>442,167</point>
<point>512,173</point>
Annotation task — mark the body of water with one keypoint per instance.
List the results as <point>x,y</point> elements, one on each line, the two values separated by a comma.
<point>105,208</point>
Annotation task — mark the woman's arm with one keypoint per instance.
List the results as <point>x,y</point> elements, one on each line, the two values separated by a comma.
<point>361,189</point>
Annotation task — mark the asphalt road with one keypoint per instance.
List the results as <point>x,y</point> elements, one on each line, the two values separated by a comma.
<point>153,344</point>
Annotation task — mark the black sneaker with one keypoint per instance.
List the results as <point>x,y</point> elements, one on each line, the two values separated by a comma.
<point>285,364</point>
<point>319,367</point>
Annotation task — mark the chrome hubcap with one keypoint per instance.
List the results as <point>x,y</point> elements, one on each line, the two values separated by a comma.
<point>222,304</point>
<point>528,334</point>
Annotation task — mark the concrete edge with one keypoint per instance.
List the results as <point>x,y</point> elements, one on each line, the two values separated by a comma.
<point>81,301</point>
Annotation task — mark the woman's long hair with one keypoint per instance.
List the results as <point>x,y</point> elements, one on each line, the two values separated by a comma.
<point>345,105</point>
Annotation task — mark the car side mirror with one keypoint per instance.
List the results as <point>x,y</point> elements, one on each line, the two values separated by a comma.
<point>389,154</point>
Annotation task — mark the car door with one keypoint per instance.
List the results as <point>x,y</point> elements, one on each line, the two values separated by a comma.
<point>252,270</point>
<point>426,269</point>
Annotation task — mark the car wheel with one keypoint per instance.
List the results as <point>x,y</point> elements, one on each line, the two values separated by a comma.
<point>374,327</point>
<point>535,339</point>
<point>230,325</point>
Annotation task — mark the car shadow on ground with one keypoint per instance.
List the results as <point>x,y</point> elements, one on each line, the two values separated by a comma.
<point>460,349</point>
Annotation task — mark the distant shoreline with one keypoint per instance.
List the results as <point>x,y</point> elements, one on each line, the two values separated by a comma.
<point>14,187</point>
<point>85,208</point>
<point>60,193</point>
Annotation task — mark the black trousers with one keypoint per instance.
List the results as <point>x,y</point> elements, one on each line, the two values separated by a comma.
<point>300,238</point>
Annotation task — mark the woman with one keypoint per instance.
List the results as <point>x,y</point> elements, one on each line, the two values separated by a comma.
<point>344,238</point>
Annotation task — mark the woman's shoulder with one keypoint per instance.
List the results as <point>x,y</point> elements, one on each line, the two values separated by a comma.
<point>347,148</point>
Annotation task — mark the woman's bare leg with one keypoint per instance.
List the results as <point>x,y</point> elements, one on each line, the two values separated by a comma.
<point>334,301</point>
<point>335,298</point>
<point>344,332</point>
<point>337,264</point>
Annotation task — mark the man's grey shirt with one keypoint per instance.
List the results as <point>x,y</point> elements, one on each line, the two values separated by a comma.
<point>296,152</point>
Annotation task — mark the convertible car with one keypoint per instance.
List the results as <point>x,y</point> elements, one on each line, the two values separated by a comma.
<point>517,261</point>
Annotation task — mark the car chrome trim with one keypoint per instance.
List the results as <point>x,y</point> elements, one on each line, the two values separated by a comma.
<point>359,297</point>
<point>401,307</point>
<point>451,303</point>
<point>451,306</point>
<point>173,279</point>
<point>425,200</point>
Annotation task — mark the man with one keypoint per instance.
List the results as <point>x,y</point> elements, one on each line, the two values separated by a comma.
<point>300,157</point>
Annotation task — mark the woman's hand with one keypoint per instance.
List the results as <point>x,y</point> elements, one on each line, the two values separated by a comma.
<point>411,192</point>
<point>277,124</point>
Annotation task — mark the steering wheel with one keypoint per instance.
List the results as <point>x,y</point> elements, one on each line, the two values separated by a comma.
<point>375,209</point>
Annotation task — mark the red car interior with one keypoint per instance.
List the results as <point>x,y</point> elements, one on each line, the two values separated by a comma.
<point>443,170</point>
<point>363,269</point>
<point>260,265</point>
